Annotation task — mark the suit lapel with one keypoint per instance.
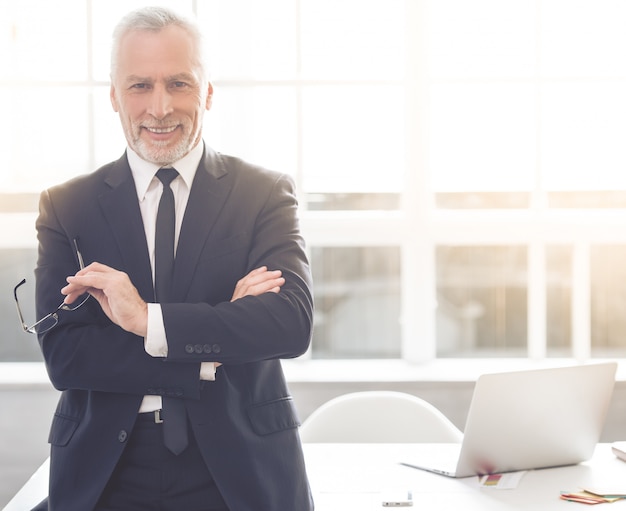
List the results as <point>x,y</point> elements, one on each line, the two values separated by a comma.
<point>209,192</point>
<point>121,209</point>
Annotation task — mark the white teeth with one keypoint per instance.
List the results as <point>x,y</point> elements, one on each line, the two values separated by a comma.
<point>160,130</point>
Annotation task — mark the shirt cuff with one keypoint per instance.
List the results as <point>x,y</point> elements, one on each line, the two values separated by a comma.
<point>207,371</point>
<point>155,342</point>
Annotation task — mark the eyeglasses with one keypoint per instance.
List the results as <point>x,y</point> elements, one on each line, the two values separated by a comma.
<point>50,320</point>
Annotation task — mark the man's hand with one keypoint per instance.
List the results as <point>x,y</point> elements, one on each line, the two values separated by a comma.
<point>122,304</point>
<point>257,282</point>
<point>115,293</point>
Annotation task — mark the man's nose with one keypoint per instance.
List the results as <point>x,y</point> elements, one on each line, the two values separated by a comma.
<point>160,102</point>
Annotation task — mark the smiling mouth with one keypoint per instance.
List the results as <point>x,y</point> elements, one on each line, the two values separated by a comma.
<point>161,131</point>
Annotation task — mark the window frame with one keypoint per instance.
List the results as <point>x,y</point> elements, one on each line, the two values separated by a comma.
<point>536,228</point>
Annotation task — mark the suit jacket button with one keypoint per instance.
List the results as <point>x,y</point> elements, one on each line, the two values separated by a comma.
<point>122,436</point>
<point>198,348</point>
<point>189,348</point>
<point>217,348</point>
<point>207,348</point>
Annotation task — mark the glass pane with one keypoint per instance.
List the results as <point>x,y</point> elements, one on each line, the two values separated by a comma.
<point>483,137</point>
<point>583,38</point>
<point>351,144</point>
<point>353,201</point>
<point>255,123</point>
<point>352,39</point>
<point>483,200</point>
<point>582,136</point>
<point>106,14</point>
<point>357,302</point>
<point>482,301</point>
<point>53,122</point>
<point>608,301</point>
<point>592,199</point>
<point>250,39</point>
<point>109,138</point>
<point>43,40</point>
<point>559,301</point>
<point>16,345</point>
<point>482,38</point>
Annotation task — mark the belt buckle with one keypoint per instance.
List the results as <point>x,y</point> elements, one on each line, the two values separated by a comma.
<point>157,417</point>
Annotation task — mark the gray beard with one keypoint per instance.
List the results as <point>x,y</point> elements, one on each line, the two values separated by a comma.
<point>162,156</point>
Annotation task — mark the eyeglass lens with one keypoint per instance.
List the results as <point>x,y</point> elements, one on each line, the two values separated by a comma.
<point>49,321</point>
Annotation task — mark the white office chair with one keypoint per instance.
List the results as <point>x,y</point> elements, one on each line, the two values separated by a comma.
<point>378,417</point>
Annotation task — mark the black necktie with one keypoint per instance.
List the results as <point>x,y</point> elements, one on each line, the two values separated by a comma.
<point>174,413</point>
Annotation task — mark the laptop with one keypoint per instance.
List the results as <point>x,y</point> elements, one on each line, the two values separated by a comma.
<point>526,420</point>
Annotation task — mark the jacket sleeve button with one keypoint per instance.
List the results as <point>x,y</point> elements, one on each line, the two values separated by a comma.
<point>216,348</point>
<point>189,348</point>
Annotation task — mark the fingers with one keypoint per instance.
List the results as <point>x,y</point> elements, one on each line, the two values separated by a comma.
<point>116,294</point>
<point>90,279</point>
<point>259,281</point>
<point>98,279</point>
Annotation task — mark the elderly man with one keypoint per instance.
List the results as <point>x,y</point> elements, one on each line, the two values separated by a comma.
<point>173,396</point>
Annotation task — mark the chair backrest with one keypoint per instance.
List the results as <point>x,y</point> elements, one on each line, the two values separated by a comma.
<point>378,417</point>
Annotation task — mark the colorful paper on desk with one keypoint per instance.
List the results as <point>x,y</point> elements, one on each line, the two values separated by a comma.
<point>582,497</point>
<point>608,486</point>
<point>585,497</point>
<point>616,491</point>
<point>505,481</point>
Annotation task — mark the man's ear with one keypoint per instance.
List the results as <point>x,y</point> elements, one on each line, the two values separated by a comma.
<point>113,97</point>
<point>209,96</point>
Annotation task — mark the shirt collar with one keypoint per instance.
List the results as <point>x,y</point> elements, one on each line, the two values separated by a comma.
<point>143,171</point>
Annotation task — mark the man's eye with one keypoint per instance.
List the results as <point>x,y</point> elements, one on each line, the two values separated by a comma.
<point>179,85</point>
<point>139,86</point>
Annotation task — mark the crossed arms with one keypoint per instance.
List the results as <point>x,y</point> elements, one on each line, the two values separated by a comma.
<point>122,304</point>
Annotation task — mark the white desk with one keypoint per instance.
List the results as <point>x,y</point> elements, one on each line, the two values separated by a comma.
<point>349,477</point>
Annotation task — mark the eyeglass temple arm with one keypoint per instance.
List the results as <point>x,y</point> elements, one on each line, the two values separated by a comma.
<point>17,304</point>
<point>81,262</point>
<point>26,328</point>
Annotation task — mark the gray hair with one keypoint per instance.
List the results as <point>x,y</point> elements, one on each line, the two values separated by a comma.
<point>154,19</point>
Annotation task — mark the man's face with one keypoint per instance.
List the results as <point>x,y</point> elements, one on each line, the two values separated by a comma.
<point>157,91</point>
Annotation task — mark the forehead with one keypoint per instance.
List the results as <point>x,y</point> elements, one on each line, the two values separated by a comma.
<point>152,53</point>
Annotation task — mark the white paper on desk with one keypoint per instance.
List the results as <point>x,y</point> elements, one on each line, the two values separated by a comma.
<point>505,481</point>
<point>606,490</point>
<point>610,481</point>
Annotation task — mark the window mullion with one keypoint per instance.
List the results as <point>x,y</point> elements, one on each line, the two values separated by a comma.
<point>581,301</point>
<point>418,250</point>
<point>537,312</point>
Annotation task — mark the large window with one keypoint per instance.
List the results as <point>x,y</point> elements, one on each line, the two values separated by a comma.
<point>461,164</point>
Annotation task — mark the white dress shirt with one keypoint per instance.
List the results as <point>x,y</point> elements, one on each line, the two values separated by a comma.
<point>149,190</point>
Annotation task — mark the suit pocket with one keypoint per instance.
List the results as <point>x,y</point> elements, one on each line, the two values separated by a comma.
<point>273,416</point>
<point>62,430</point>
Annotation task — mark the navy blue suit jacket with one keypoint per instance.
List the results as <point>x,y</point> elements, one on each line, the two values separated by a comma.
<point>239,217</point>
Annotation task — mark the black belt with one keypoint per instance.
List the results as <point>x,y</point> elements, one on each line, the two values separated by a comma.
<point>154,416</point>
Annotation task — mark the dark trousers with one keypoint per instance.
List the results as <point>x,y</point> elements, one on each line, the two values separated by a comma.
<point>149,477</point>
